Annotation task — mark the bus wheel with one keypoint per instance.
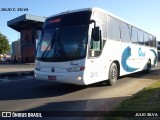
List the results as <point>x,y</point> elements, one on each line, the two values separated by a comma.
<point>113,74</point>
<point>148,70</point>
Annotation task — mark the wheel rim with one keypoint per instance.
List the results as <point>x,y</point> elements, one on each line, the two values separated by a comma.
<point>114,74</point>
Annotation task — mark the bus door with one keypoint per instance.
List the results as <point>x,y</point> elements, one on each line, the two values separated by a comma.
<point>95,50</point>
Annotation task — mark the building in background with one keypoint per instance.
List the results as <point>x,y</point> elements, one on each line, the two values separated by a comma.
<point>29,27</point>
<point>16,51</point>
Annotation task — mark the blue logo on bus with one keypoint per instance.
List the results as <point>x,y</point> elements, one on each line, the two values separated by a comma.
<point>125,56</point>
<point>141,53</point>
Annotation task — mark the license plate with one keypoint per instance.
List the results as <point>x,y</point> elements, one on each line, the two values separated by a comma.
<point>51,77</point>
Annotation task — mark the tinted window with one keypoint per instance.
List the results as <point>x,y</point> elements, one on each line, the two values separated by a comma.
<point>140,37</point>
<point>125,32</point>
<point>154,41</point>
<point>113,28</point>
<point>150,41</point>
<point>134,35</point>
<point>76,18</point>
<point>64,44</point>
<point>146,39</point>
<point>94,45</point>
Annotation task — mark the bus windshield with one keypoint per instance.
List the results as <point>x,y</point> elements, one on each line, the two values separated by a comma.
<point>64,38</point>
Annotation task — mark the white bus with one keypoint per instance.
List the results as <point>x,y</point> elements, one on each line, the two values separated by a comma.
<point>92,45</point>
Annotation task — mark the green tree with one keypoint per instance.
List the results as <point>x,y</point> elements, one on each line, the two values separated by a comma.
<point>4,44</point>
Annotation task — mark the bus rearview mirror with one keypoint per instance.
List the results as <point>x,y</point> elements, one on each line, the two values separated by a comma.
<point>97,34</point>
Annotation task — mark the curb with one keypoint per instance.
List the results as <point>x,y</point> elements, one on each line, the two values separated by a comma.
<point>16,74</point>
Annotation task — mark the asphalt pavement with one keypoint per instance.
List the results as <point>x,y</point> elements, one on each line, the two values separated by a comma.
<point>15,70</point>
<point>26,94</point>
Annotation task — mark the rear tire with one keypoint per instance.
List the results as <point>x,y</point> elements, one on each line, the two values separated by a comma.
<point>113,74</point>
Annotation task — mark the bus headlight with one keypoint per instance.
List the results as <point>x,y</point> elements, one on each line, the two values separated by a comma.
<point>79,78</point>
<point>76,69</point>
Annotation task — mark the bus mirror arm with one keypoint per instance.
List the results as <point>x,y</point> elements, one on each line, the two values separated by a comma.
<point>93,21</point>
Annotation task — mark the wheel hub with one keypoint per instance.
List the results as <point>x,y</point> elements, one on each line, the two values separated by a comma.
<point>113,74</point>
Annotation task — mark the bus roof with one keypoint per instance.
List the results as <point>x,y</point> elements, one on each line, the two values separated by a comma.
<point>108,13</point>
<point>102,10</point>
<point>71,11</point>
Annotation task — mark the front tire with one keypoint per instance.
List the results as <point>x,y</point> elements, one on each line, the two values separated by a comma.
<point>113,74</point>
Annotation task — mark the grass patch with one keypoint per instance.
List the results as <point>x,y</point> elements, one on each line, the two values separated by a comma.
<point>147,99</point>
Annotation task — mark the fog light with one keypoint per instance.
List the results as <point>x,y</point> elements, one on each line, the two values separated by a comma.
<point>79,78</point>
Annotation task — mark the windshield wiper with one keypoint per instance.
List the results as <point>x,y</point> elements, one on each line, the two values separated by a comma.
<point>59,47</point>
<point>45,53</point>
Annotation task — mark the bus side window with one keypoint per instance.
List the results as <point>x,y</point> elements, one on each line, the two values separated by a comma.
<point>95,44</point>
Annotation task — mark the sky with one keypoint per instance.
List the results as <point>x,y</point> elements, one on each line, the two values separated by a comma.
<point>142,13</point>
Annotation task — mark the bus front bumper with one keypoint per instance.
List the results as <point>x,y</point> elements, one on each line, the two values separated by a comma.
<point>71,78</point>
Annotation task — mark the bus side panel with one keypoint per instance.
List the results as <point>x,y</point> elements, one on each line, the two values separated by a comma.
<point>111,53</point>
<point>134,58</point>
<point>97,69</point>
